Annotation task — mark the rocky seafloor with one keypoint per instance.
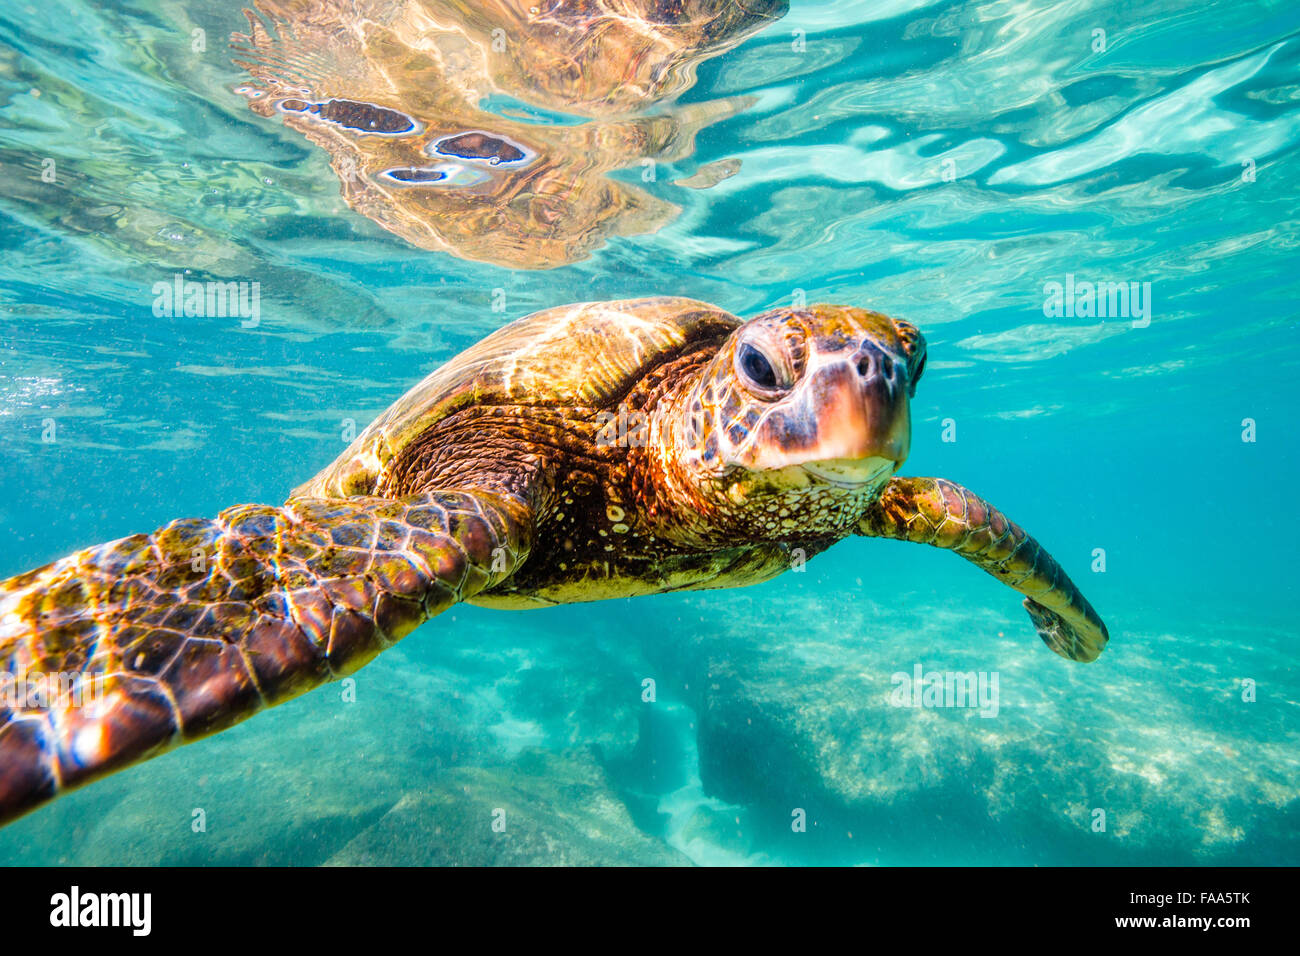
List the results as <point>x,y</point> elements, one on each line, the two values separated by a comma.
<point>478,743</point>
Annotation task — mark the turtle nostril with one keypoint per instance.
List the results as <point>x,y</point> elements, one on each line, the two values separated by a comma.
<point>876,364</point>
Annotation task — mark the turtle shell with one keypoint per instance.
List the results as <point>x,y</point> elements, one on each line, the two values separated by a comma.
<point>584,355</point>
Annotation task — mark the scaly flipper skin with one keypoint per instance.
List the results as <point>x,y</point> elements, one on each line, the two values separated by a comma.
<point>206,622</point>
<point>946,515</point>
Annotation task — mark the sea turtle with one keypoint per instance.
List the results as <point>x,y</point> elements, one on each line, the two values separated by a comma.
<point>590,451</point>
<point>440,118</point>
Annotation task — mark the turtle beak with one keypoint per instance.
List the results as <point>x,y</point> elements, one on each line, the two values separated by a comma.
<point>865,415</point>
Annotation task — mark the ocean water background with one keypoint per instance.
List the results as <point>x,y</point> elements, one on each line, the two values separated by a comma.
<point>1168,158</point>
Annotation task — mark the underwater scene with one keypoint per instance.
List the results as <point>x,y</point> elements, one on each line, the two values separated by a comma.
<point>672,587</point>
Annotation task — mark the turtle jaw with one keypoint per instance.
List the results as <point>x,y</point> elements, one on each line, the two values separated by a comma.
<point>855,477</point>
<point>837,479</point>
<point>853,473</point>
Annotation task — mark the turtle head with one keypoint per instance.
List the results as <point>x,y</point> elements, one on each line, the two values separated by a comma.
<point>800,418</point>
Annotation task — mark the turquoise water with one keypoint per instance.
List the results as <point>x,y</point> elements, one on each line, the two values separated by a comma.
<point>940,162</point>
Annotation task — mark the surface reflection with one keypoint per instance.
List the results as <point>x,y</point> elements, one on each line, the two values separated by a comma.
<point>487,130</point>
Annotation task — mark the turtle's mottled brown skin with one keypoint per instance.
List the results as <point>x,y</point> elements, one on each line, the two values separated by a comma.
<point>587,452</point>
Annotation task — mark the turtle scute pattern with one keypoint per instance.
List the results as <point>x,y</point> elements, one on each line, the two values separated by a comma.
<point>171,636</point>
<point>944,514</point>
<point>585,355</point>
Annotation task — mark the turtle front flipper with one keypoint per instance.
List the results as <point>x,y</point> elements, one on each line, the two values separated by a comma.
<point>946,515</point>
<point>119,652</point>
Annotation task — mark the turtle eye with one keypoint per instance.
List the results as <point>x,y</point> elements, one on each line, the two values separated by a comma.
<point>916,377</point>
<point>757,371</point>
